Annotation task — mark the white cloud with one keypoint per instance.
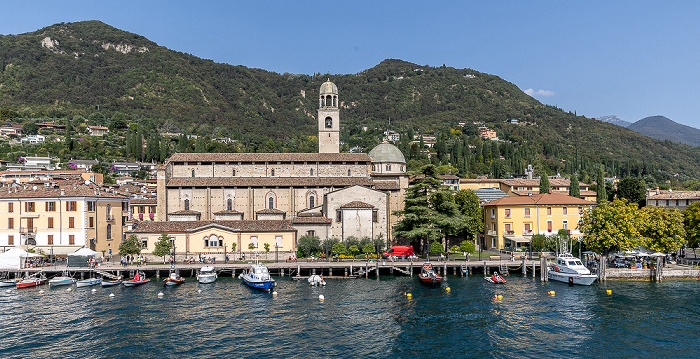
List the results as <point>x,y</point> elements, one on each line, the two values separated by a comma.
<point>539,93</point>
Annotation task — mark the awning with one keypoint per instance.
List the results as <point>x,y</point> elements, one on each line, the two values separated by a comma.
<point>518,239</point>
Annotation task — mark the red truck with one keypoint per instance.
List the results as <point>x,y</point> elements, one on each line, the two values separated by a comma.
<point>398,251</point>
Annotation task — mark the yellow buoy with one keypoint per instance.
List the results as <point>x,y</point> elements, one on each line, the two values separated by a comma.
<point>448,289</point>
<point>608,291</point>
<point>199,291</point>
<point>551,292</point>
<point>274,294</point>
<point>409,295</point>
<point>500,297</point>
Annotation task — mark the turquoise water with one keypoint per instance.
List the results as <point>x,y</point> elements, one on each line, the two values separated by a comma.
<point>359,318</point>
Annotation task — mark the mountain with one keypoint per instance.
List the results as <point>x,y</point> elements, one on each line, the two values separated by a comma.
<point>662,128</point>
<point>614,120</point>
<point>90,70</point>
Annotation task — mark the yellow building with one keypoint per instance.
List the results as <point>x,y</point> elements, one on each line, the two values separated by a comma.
<point>216,238</point>
<point>512,221</point>
<point>61,217</point>
<point>525,187</point>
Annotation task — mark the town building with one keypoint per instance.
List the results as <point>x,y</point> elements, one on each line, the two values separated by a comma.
<point>526,187</point>
<point>97,130</point>
<point>672,199</point>
<point>61,217</point>
<point>28,176</point>
<point>510,222</point>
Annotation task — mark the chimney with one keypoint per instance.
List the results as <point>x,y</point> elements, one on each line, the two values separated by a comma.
<point>657,190</point>
<point>63,192</point>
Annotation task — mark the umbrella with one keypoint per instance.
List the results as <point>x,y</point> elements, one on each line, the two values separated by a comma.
<point>657,254</point>
<point>641,254</point>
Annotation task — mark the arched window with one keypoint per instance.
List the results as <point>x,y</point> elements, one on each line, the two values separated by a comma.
<point>109,211</point>
<point>329,122</point>
<point>233,173</point>
<point>272,172</point>
<point>187,205</point>
<point>388,167</point>
<point>271,202</point>
<point>192,173</point>
<point>311,172</point>
<point>348,173</point>
<point>312,201</point>
<point>109,231</point>
<point>229,204</point>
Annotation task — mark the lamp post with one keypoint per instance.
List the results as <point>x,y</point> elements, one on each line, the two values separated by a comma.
<point>277,247</point>
<point>225,257</point>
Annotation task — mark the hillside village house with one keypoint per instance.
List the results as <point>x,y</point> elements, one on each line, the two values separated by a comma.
<point>671,198</point>
<point>61,217</point>
<point>510,222</point>
<point>525,187</point>
<point>326,194</point>
<point>97,130</point>
<point>28,176</point>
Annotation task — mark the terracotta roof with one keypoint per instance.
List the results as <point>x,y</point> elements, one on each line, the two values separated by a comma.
<point>270,157</point>
<point>74,189</point>
<point>144,201</point>
<point>539,199</point>
<point>228,211</point>
<point>477,180</point>
<point>184,212</point>
<point>389,185</point>
<point>357,204</point>
<point>188,226</point>
<point>270,211</point>
<point>269,182</point>
<point>675,195</point>
<point>311,220</point>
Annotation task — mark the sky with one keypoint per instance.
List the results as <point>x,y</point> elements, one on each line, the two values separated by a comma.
<point>632,59</point>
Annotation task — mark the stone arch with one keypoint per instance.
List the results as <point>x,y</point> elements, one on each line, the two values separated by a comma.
<point>270,200</point>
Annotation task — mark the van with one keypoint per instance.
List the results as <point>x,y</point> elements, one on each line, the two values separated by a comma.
<point>398,251</point>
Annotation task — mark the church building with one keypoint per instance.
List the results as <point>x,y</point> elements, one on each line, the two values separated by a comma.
<point>326,194</point>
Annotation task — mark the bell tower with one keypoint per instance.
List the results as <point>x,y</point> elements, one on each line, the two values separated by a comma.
<point>328,119</point>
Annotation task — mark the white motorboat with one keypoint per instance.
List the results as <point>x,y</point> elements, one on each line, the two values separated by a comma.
<point>258,277</point>
<point>88,282</point>
<point>569,269</point>
<point>7,282</point>
<point>62,280</point>
<point>316,280</point>
<point>206,275</point>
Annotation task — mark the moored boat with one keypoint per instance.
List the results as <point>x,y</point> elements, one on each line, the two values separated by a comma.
<point>428,275</point>
<point>496,278</point>
<point>207,275</point>
<point>32,281</point>
<point>139,278</point>
<point>173,279</point>
<point>109,283</point>
<point>569,269</point>
<point>316,280</point>
<point>88,282</point>
<point>7,282</point>
<point>62,280</point>
<point>258,277</point>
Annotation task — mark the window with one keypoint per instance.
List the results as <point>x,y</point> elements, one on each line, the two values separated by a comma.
<point>109,212</point>
<point>233,172</point>
<point>348,173</point>
<point>527,228</point>
<point>580,210</point>
<point>329,122</point>
<point>508,228</point>
<point>254,240</point>
<point>507,212</point>
<point>666,203</point>
<point>91,222</point>
<point>338,215</point>
<point>549,226</point>
<point>229,204</point>
<point>71,222</point>
<point>91,206</point>
<point>109,232</point>
<point>10,207</point>
<point>549,211</point>
<point>125,206</point>
<point>50,206</point>
<point>50,220</point>
<point>29,206</point>
<point>50,239</point>
<point>311,172</point>
<point>311,233</point>
<point>388,167</point>
<point>271,202</point>
<point>10,223</point>
<point>10,240</point>
<point>278,241</point>
<point>493,242</point>
<point>192,173</point>
<point>144,242</point>
<point>493,213</point>
<point>676,203</point>
<point>141,209</point>
<point>272,172</point>
<point>565,224</point>
<point>213,241</point>
<point>312,201</point>
<point>70,206</point>
<point>564,211</point>
<point>71,239</point>
<point>527,212</point>
<point>30,225</point>
<point>375,216</point>
<point>187,205</point>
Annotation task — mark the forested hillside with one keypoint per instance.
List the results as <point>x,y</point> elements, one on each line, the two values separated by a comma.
<point>111,77</point>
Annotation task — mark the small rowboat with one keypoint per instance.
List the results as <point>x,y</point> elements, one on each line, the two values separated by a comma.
<point>109,283</point>
<point>136,281</point>
<point>88,282</point>
<point>428,275</point>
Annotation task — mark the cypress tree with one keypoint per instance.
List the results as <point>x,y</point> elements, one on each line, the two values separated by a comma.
<point>574,190</point>
<point>601,194</point>
<point>544,183</point>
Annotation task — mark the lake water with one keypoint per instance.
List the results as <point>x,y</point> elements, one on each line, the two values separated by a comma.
<point>359,318</point>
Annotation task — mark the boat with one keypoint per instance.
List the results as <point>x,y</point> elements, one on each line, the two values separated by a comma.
<point>496,278</point>
<point>63,279</point>
<point>7,282</point>
<point>316,280</point>
<point>206,275</point>
<point>109,283</point>
<point>31,281</point>
<point>139,278</point>
<point>258,277</point>
<point>428,275</point>
<point>569,269</point>
<point>173,279</point>
<point>88,282</point>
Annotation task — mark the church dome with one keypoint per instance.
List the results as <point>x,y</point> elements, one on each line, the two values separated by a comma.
<point>329,88</point>
<point>386,152</point>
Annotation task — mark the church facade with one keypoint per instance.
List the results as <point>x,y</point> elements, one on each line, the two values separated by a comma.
<point>327,194</point>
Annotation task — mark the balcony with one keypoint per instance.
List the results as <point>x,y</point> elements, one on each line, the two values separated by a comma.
<point>25,230</point>
<point>527,233</point>
<point>510,232</point>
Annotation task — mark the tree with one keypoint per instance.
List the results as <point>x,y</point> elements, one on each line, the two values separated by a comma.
<point>30,128</point>
<point>544,182</point>
<point>354,250</point>
<point>267,247</point>
<point>574,189</point>
<point>251,246</point>
<point>633,189</point>
<point>339,249</point>
<point>368,248</point>
<point>233,246</point>
<point>436,248</point>
<point>611,226</point>
<point>601,195</point>
<point>662,229</point>
<point>306,245</point>
<point>467,246</point>
<point>131,245</point>
<point>468,203</point>
<point>542,243</point>
<point>163,246</point>
<point>691,223</point>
